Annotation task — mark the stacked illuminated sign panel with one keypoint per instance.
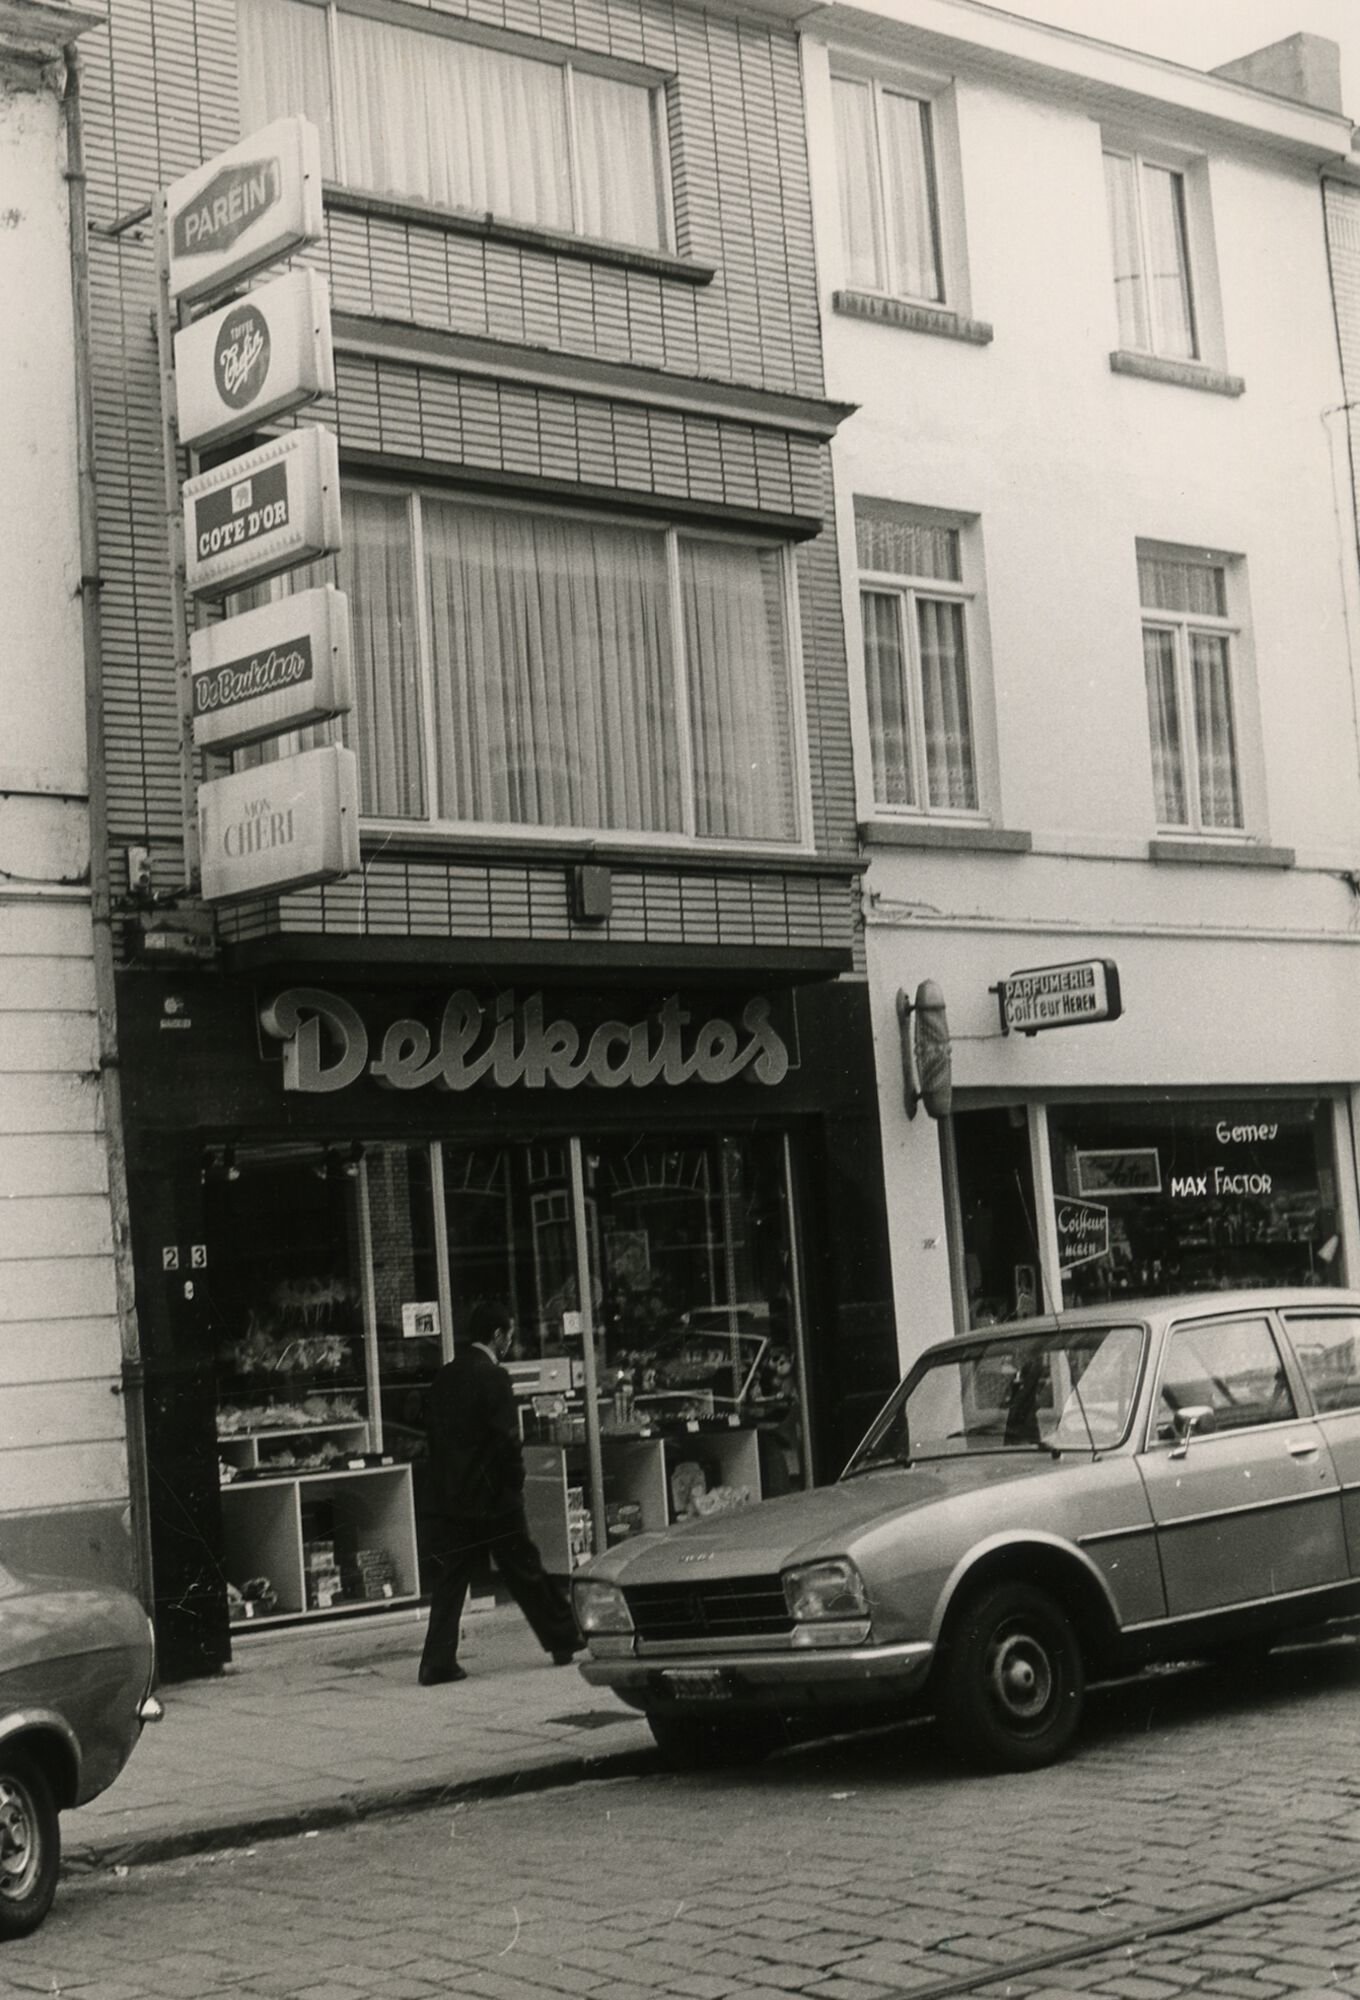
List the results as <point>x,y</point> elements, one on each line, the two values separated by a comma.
<point>285,664</point>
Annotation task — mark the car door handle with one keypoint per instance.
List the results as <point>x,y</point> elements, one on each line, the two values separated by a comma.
<point>1298,1447</point>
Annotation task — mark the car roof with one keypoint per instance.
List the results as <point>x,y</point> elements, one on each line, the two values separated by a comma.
<point>1152,1310</point>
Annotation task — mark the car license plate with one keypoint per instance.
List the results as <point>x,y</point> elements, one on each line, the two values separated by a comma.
<point>696,1684</point>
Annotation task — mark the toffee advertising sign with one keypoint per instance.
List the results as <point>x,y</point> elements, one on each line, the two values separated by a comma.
<point>280,826</point>
<point>269,510</point>
<point>279,667</point>
<point>328,1044</point>
<point>248,206</point>
<point>1060,996</point>
<point>263,354</point>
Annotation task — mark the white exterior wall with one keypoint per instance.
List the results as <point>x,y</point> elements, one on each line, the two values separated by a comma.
<point>63,1461</point>
<point>1233,976</point>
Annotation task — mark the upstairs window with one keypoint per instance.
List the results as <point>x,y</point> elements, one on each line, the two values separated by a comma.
<point>516,668</point>
<point>452,121</point>
<point>1149,242</point>
<point>1188,662</point>
<point>914,611</point>
<point>890,220</point>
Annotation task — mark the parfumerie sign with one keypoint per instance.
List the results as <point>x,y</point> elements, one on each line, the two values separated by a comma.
<point>263,354</point>
<point>248,206</point>
<point>1060,996</point>
<point>327,1046</point>
<point>266,511</point>
<point>280,826</point>
<point>281,666</point>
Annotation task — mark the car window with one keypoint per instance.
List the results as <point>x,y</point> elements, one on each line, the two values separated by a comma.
<point>1328,1350</point>
<point>1231,1367</point>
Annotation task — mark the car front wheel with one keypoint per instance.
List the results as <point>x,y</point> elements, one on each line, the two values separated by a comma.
<point>30,1844</point>
<point>1013,1679</point>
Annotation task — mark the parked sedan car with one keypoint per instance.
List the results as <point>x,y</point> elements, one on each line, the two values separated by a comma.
<point>77,1663</point>
<point>1036,1506</point>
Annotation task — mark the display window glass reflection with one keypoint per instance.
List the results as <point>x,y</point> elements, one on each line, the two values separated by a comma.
<point>1188,1197</point>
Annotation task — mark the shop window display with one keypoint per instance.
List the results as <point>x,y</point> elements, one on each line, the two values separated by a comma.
<point>1194,1196</point>
<point>697,1360</point>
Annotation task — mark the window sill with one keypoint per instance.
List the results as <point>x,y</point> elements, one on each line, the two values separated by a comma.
<point>1224,853</point>
<point>525,236</point>
<point>914,319</point>
<point>945,833</point>
<point>1181,374</point>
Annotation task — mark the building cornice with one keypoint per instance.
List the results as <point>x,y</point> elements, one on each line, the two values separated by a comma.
<point>38,30</point>
<point>1111,82</point>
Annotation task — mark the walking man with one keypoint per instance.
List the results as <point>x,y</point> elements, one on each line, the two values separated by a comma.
<point>477,1498</point>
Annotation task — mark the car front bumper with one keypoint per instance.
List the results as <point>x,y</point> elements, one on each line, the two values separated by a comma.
<point>808,1677</point>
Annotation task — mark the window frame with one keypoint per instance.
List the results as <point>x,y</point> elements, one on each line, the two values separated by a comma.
<point>1182,625</point>
<point>673,532</point>
<point>529,49</point>
<point>1140,160</point>
<point>909,590</point>
<point>922,93</point>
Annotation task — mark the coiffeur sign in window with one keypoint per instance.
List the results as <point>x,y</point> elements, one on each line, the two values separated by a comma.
<point>248,206</point>
<point>327,1046</point>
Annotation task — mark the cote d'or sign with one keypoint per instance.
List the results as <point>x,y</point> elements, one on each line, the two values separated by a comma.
<point>327,1046</point>
<point>266,511</point>
<point>281,666</point>
<point>280,826</point>
<point>265,353</point>
<point>246,207</point>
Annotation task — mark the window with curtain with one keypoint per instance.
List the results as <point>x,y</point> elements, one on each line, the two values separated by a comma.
<point>569,672</point>
<point>1187,659</point>
<point>885,158</point>
<point>914,611</point>
<point>457,123</point>
<point>1150,250</point>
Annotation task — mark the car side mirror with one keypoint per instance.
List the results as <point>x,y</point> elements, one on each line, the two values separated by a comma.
<point>1194,1419</point>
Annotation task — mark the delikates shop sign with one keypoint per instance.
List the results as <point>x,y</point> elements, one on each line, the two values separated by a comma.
<point>327,1046</point>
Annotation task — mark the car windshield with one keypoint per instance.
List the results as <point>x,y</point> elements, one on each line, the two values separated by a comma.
<point>1069,1389</point>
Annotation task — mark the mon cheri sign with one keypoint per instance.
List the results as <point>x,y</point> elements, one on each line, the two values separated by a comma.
<point>251,205</point>
<point>1059,996</point>
<point>280,826</point>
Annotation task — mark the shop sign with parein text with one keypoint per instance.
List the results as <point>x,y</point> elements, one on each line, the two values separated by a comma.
<point>249,205</point>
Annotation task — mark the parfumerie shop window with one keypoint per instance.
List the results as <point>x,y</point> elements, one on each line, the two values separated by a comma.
<point>520,669</point>
<point>435,115</point>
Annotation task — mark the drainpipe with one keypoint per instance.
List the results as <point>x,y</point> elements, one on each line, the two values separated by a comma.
<point>132,1383</point>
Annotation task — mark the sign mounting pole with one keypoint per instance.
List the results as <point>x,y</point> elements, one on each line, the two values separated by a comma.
<point>167,319</point>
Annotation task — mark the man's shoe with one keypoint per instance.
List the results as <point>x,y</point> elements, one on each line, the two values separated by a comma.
<point>436,1676</point>
<point>562,1656</point>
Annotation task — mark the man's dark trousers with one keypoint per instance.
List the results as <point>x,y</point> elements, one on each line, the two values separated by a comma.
<point>459,1548</point>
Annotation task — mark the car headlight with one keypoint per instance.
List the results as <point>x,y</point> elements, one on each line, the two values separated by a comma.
<point>600,1607</point>
<point>832,1589</point>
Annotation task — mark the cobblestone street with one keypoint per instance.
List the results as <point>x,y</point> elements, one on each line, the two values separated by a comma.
<point>1203,1839</point>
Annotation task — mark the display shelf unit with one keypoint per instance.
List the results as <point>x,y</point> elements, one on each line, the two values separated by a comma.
<point>637,1470</point>
<point>241,1449</point>
<point>262,1534</point>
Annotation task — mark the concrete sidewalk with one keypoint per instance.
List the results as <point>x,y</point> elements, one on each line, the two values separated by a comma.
<point>316,1725</point>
